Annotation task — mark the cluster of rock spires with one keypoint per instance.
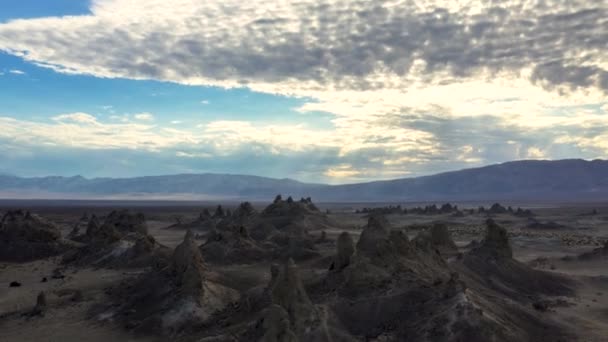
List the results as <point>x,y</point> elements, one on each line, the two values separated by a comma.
<point>122,240</point>
<point>446,208</point>
<point>25,237</point>
<point>386,210</point>
<point>383,287</point>
<point>280,231</point>
<point>496,208</point>
<point>432,209</point>
<point>388,287</point>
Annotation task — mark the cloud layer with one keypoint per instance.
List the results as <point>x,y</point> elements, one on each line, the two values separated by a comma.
<point>414,86</point>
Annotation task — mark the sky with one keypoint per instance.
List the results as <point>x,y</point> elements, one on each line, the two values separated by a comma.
<point>330,91</point>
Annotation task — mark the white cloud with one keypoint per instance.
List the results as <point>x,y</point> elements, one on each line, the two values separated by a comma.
<point>205,102</point>
<point>82,118</point>
<point>144,116</point>
<point>536,153</point>
<point>16,72</point>
<point>344,171</point>
<point>193,155</point>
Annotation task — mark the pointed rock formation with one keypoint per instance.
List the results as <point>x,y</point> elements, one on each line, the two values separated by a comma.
<point>440,236</point>
<point>277,326</point>
<point>188,268</point>
<point>41,305</point>
<point>101,234</point>
<point>288,292</point>
<point>345,248</point>
<point>496,243</point>
<point>373,235</point>
<point>493,265</point>
<point>80,226</point>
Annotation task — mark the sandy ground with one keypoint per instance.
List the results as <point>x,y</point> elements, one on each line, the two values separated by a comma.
<point>68,320</point>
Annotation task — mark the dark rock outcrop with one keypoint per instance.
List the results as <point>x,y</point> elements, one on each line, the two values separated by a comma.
<point>125,221</point>
<point>25,237</point>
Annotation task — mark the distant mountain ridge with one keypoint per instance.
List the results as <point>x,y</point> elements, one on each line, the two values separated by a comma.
<point>568,179</point>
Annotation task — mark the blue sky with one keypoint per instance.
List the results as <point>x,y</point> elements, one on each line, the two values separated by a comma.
<point>130,88</point>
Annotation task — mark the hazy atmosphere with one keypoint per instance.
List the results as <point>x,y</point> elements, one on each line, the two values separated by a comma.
<point>319,91</point>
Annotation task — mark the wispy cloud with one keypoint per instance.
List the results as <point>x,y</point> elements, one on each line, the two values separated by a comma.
<point>144,116</point>
<point>16,72</point>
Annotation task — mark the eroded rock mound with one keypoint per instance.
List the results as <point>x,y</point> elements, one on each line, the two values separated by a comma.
<point>79,227</point>
<point>100,234</point>
<point>373,235</point>
<point>125,221</point>
<point>438,238</point>
<point>233,245</point>
<point>25,237</point>
<point>281,207</point>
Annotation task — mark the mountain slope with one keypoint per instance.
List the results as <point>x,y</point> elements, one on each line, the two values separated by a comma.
<point>529,179</point>
<point>571,179</point>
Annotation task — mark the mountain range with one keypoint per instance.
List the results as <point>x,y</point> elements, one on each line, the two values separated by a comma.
<point>559,180</point>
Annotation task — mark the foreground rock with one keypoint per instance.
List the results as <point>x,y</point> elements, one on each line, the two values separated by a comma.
<point>492,264</point>
<point>507,289</point>
<point>395,290</point>
<point>176,298</point>
<point>25,237</point>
